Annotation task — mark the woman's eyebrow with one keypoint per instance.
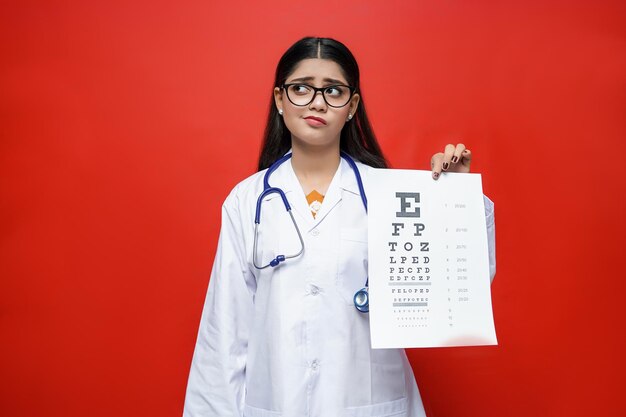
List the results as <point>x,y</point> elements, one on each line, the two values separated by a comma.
<point>333,81</point>
<point>325,80</point>
<point>303,79</point>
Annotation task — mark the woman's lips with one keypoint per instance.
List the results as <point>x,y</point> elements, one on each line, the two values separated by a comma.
<point>315,121</point>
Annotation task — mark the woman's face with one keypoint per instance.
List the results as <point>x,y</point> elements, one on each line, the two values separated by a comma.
<point>317,123</point>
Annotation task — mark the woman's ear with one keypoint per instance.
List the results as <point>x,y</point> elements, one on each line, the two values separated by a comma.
<point>278,98</point>
<point>354,104</point>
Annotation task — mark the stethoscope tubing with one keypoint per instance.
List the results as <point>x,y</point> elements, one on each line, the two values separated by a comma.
<point>280,258</point>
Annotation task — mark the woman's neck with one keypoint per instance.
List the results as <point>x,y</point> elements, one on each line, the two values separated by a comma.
<point>315,167</point>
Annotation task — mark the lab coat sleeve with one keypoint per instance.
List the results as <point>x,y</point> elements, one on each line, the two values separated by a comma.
<point>491,236</point>
<point>216,385</point>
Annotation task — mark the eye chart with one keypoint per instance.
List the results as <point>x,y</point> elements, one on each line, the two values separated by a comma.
<point>428,260</point>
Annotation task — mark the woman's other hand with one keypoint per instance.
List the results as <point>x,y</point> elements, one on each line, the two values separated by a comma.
<point>452,159</point>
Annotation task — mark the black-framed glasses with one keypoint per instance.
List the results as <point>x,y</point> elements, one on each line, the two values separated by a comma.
<point>334,95</point>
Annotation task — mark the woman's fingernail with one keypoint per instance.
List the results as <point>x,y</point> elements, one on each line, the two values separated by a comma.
<point>445,166</point>
<point>455,159</point>
<point>435,175</point>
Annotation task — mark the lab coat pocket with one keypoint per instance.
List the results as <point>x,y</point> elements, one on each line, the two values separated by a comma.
<point>352,262</point>
<point>396,408</point>
<point>249,411</point>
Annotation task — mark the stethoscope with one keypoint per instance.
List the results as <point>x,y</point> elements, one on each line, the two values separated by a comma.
<point>361,297</point>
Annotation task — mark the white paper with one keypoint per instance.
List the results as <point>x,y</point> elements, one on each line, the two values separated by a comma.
<point>428,260</point>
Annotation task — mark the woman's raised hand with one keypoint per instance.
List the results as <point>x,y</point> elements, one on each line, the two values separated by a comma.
<point>452,159</point>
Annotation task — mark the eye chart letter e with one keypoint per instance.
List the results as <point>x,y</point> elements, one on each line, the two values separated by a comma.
<point>428,260</point>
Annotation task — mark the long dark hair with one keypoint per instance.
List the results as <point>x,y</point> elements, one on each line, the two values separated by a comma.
<point>357,136</point>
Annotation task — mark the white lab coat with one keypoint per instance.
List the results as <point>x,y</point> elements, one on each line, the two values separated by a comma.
<point>288,341</point>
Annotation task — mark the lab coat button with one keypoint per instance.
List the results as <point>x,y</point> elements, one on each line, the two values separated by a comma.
<point>314,365</point>
<point>315,232</point>
<point>314,290</point>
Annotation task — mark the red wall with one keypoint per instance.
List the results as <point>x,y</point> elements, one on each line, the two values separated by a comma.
<point>123,126</point>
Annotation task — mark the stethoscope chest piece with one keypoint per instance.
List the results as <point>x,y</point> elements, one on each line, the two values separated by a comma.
<point>362,300</point>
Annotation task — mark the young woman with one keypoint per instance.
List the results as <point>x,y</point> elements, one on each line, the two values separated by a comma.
<point>280,334</point>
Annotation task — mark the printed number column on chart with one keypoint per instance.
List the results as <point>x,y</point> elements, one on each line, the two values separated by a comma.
<point>456,262</point>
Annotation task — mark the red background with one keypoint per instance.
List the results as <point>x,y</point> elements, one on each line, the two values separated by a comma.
<point>124,124</point>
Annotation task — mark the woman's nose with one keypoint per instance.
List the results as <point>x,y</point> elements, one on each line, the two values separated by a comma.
<point>318,102</point>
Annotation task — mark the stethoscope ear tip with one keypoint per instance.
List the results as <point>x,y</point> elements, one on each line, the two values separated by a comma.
<point>277,260</point>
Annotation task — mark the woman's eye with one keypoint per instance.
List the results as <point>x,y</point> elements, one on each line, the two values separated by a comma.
<point>301,89</point>
<point>334,91</point>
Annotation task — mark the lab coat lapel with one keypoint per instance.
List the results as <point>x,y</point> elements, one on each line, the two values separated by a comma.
<point>332,197</point>
<point>296,196</point>
<point>285,179</point>
<point>343,182</point>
